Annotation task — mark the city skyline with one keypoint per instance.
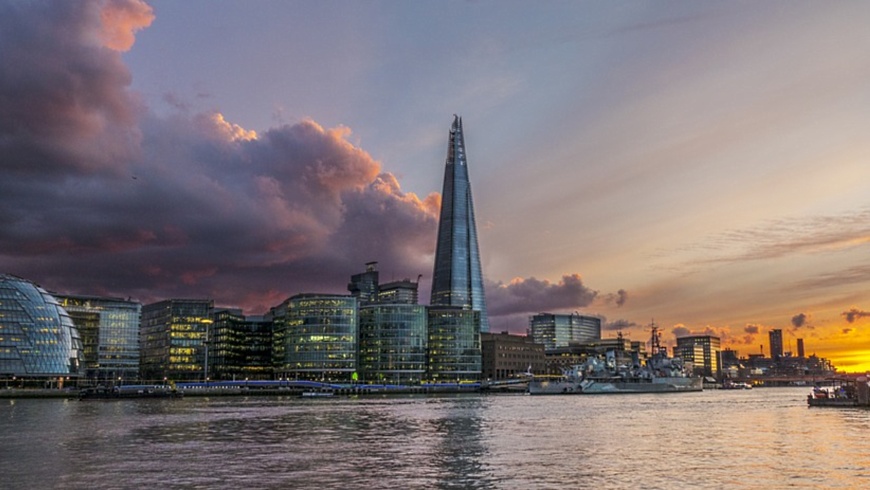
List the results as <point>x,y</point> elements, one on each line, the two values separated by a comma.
<point>699,165</point>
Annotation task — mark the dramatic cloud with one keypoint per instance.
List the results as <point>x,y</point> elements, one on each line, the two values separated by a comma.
<point>100,196</point>
<point>751,329</point>
<point>534,296</point>
<point>680,330</point>
<point>619,325</point>
<point>854,314</point>
<point>799,320</point>
<point>64,104</point>
<point>618,298</point>
<point>120,20</point>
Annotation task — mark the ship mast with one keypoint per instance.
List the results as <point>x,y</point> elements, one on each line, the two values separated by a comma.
<point>655,338</point>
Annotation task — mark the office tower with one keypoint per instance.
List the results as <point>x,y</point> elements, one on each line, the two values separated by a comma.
<point>174,333</point>
<point>316,337</point>
<point>558,330</point>
<point>239,347</point>
<point>705,359</point>
<point>775,344</point>
<point>800,346</point>
<point>109,328</point>
<point>457,281</point>
<point>393,343</point>
<point>38,340</point>
<point>454,344</point>
<point>364,286</point>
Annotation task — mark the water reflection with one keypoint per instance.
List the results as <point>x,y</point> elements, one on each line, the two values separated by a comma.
<point>762,438</point>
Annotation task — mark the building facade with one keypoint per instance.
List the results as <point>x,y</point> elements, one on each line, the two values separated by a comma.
<point>708,363</point>
<point>506,356</point>
<point>559,330</point>
<point>316,337</point>
<point>393,340</point>
<point>239,347</point>
<point>38,340</point>
<point>457,281</point>
<point>173,335</point>
<point>109,329</point>
<point>454,344</point>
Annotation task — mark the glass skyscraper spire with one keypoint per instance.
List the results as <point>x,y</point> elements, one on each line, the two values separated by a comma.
<point>457,281</point>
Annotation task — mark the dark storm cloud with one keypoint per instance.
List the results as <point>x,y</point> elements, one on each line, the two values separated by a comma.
<point>617,325</point>
<point>681,331</point>
<point>751,329</point>
<point>618,298</point>
<point>64,107</point>
<point>854,314</point>
<point>533,296</point>
<point>799,320</point>
<point>100,196</point>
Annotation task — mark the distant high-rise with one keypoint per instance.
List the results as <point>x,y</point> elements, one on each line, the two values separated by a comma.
<point>364,286</point>
<point>800,345</point>
<point>775,343</point>
<point>559,330</point>
<point>457,281</point>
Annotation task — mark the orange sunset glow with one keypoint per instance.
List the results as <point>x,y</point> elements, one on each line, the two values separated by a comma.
<point>702,165</point>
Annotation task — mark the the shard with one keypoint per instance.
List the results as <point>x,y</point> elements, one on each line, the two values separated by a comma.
<point>457,281</point>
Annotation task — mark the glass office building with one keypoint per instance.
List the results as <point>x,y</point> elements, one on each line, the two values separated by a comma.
<point>559,330</point>
<point>316,337</point>
<point>109,329</point>
<point>702,351</point>
<point>457,280</point>
<point>173,335</point>
<point>454,344</point>
<point>239,347</point>
<point>392,343</point>
<point>37,337</point>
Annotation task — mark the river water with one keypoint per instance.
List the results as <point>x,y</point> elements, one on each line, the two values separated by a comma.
<point>761,438</point>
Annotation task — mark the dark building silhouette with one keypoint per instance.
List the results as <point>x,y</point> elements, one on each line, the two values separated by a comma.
<point>775,344</point>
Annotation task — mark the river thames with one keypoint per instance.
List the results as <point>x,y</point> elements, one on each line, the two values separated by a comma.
<point>761,438</point>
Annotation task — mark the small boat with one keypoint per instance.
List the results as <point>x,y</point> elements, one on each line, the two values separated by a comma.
<point>842,396</point>
<point>129,391</point>
<point>728,385</point>
<point>316,394</point>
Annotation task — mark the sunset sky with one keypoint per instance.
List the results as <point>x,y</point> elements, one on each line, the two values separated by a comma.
<point>705,165</point>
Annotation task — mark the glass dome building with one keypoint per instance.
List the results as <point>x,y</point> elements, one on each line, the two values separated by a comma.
<point>37,336</point>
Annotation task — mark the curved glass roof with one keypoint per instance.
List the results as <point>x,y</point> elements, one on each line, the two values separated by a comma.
<point>37,336</point>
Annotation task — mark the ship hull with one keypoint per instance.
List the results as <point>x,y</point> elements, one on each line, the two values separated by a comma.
<point>606,386</point>
<point>658,385</point>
